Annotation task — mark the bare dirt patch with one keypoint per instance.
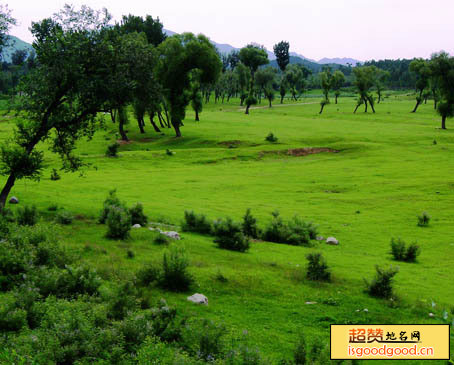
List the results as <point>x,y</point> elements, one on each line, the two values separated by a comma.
<point>297,152</point>
<point>230,144</point>
<point>121,142</point>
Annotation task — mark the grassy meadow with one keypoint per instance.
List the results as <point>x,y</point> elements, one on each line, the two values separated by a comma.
<point>385,169</point>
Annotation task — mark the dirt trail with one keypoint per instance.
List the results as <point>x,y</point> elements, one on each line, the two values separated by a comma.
<point>275,106</point>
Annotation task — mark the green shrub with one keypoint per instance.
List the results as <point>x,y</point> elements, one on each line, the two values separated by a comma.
<point>27,216</point>
<point>317,268</point>
<point>423,219</point>
<point>122,300</point>
<point>161,239</point>
<point>14,262</point>
<point>130,254</point>
<point>412,253</point>
<point>53,207</point>
<point>229,235</point>
<point>54,176</point>
<point>175,275</point>
<point>111,201</point>
<point>137,215</point>
<point>149,274</point>
<point>271,138</point>
<point>112,150</point>
<point>294,232</point>
<point>196,223</point>
<point>11,318</point>
<point>118,223</point>
<point>64,217</point>
<point>382,285</point>
<point>67,283</point>
<point>7,215</point>
<point>403,253</point>
<point>300,354</point>
<point>249,225</point>
<point>210,345</point>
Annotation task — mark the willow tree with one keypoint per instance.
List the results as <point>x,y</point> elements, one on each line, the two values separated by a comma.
<point>421,68</point>
<point>442,68</point>
<point>252,57</point>
<point>80,69</point>
<point>364,80</point>
<point>179,55</point>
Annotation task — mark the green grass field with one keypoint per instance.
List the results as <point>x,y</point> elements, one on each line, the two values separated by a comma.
<point>386,171</point>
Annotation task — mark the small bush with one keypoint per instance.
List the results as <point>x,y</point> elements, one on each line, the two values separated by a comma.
<point>161,239</point>
<point>271,138</point>
<point>196,223</point>
<point>149,274</point>
<point>423,219</point>
<point>111,201</point>
<point>11,318</point>
<point>54,176</point>
<point>294,232</point>
<point>169,152</point>
<point>7,215</point>
<point>53,207</point>
<point>137,215</point>
<point>382,285</point>
<point>175,275</point>
<point>121,301</point>
<point>210,341</point>
<point>413,252</point>
<point>64,217</point>
<point>317,268</point>
<point>118,223</point>
<point>403,253</point>
<point>229,235</point>
<point>249,225</point>
<point>300,354</point>
<point>130,254</point>
<point>112,150</point>
<point>27,216</point>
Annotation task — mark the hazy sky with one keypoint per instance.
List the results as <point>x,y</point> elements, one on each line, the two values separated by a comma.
<point>359,29</point>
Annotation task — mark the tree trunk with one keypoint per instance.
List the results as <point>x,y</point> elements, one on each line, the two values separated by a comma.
<point>6,190</point>
<point>416,106</point>
<point>160,120</point>
<point>197,116</point>
<point>365,103</point>
<point>155,127</point>
<point>282,99</point>
<point>141,124</point>
<point>336,100</point>
<point>247,109</point>
<point>322,106</point>
<point>176,126</point>
<point>123,135</point>
<point>357,106</point>
<point>270,102</point>
<point>435,104</point>
<point>443,124</point>
<point>113,114</point>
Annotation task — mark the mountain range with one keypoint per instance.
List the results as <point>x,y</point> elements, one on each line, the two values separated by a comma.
<point>17,44</point>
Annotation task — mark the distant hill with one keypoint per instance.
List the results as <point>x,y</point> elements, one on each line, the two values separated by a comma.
<point>311,65</point>
<point>340,61</point>
<point>14,44</point>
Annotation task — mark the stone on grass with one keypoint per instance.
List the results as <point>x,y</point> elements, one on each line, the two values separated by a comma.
<point>14,200</point>
<point>137,225</point>
<point>320,238</point>
<point>172,234</point>
<point>332,241</point>
<point>198,299</point>
<point>309,303</point>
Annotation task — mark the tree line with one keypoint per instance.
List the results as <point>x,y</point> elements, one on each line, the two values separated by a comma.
<point>84,68</point>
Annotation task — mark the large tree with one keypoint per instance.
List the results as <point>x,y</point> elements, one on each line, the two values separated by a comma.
<point>76,76</point>
<point>326,83</point>
<point>442,68</point>
<point>295,79</point>
<point>421,69</point>
<point>364,80</point>
<point>252,57</point>
<point>337,82</point>
<point>179,55</point>
<point>281,51</point>
<point>265,79</point>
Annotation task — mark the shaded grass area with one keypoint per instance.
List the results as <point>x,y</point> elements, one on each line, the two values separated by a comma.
<point>387,171</point>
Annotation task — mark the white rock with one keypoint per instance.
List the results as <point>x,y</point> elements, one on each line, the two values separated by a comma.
<point>198,299</point>
<point>332,241</point>
<point>309,303</point>
<point>172,234</point>
<point>320,238</point>
<point>136,226</point>
<point>14,200</point>
<point>431,315</point>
